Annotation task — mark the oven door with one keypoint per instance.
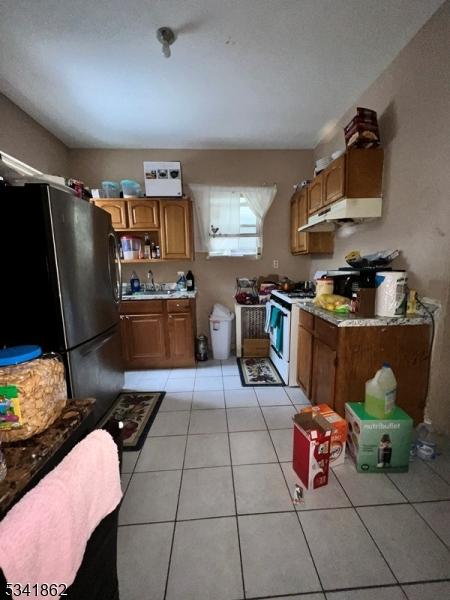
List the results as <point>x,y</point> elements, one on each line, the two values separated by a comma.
<point>280,355</point>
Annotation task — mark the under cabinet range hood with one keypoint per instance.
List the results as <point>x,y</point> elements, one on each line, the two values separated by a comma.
<point>343,211</point>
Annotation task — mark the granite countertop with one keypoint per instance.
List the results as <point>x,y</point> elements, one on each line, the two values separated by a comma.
<point>162,295</point>
<point>352,320</point>
<point>24,459</point>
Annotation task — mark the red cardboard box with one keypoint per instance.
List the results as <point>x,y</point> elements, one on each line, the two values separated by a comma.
<point>312,445</point>
<point>338,434</point>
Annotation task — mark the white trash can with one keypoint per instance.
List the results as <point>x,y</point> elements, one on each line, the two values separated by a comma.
<point>220,329</point>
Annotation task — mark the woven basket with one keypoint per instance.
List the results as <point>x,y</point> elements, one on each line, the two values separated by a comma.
<point>42,393</point>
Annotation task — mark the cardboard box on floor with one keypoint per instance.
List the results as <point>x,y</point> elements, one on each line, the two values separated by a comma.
<point>378,445</point>
<point>338,434</point>
<point>257,347</point>
<point>311,453</point>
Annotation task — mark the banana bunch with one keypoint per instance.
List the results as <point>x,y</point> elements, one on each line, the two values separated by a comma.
<point>332,302</point>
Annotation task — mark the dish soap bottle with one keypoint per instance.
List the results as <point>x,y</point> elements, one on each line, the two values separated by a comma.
<point>190,283</point>
<point>381,392</point>
<point>135,283</point>
<point>181,282</point>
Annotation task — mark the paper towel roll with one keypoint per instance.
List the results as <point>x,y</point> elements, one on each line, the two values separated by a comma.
<point>390,299</point>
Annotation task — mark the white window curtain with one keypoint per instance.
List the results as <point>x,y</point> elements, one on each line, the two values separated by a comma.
<point>226,229</point>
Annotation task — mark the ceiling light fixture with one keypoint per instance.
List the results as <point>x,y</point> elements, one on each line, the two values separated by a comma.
<point>167,37</point>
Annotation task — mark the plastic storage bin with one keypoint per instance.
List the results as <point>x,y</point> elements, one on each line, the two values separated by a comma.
<point>111,189</point>
<point>131,247</point>
<point>130,188</point>
<point>220,330</point>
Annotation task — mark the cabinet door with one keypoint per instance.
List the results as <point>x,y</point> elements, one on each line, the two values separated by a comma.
<point>143,214</point>
<point>181,338</point>
<point>117,210</point>
<point>334,181</point>
<point>294,224</point>
<point>315,194</point>
<point>176,229</point>
<point>145,340</point>
<point>302,236</point>
<point>323,374</point>
<point>304,359</point>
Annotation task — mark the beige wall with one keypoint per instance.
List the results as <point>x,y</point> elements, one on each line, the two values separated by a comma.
<point>215,278</point>
<point>22,137</point>
<point>412,98</point>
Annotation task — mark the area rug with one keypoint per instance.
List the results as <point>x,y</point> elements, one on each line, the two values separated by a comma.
<point>137,410</point>
<point>258,372</point>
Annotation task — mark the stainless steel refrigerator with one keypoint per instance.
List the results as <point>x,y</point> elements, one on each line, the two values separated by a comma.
<point>61,286</point>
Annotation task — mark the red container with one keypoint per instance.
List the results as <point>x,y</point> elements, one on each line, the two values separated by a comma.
<point>312,445</point>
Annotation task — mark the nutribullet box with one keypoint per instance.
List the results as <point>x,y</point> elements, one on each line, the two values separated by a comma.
<point>378,445</point>
<point>312,445</point>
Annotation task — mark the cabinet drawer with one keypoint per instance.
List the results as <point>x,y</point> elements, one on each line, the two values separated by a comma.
<point>139,307</point>
<point>326,332</point>
<point>182,305</point>
<point>307,320</point>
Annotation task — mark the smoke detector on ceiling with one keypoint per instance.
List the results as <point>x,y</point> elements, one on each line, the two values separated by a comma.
<point>166,36</point>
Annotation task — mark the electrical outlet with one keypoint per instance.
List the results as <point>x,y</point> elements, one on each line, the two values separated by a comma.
<point>275,264</point>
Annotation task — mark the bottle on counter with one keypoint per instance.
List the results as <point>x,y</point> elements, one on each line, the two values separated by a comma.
<point>135,283</point>
<point>181,282</point>
<point>153,250</point>
<point>157,251</point>
<point>190,283</point>
<point>147,247</point>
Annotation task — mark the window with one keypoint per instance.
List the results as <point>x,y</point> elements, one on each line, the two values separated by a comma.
<point>231,219</point>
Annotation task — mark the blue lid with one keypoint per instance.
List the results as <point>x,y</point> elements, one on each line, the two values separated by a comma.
<point>18,354</point>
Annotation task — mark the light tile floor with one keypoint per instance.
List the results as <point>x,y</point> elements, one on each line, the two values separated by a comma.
<point>207,512</point>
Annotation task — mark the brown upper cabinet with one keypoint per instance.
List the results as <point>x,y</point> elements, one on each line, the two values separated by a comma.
<point>176,229</point>
<point>118,211</point>
<point>168,221</point>
<point>355,174</point>
<point>143,214</point>
<point>306,243</point>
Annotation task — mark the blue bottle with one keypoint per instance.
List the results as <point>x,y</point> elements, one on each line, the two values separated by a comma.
<point>135,283</point>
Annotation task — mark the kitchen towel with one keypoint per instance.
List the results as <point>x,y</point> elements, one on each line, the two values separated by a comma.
<point>276,323</point>
<point>44,536</point>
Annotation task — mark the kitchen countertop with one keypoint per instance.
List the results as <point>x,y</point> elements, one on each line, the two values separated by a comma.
<point>352,320</point>
<point>164,295</point>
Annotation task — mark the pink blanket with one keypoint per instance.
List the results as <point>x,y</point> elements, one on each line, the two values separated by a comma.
<point>44,536</point>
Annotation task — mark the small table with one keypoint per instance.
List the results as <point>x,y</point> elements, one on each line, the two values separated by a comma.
<point>29,460</point>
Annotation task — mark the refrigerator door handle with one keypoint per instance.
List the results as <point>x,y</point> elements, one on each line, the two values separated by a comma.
<point>97,343</point>
<point>115,269</point>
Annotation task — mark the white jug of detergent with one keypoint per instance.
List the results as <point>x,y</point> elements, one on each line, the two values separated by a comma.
<point>381,392</point>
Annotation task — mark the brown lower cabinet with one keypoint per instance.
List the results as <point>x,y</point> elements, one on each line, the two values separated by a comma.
<point>334,363</point>
<point>158,333</point>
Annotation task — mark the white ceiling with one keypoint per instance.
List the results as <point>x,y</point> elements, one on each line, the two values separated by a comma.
<point>243,73</point>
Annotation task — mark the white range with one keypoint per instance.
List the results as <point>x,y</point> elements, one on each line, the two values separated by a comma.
<point>284,357</point>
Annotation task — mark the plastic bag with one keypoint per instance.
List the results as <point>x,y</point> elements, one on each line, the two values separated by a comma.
<point>333,302</point>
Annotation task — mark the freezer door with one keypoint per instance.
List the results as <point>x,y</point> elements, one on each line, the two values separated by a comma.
<point>85,254</point>
<point>95,370</point>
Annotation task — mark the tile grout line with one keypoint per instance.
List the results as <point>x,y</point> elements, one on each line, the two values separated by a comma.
<point>428,524</point>
<point>295,510</point>
<point>176,510</point>
<point>236,511</point>
<point>355,509</point>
